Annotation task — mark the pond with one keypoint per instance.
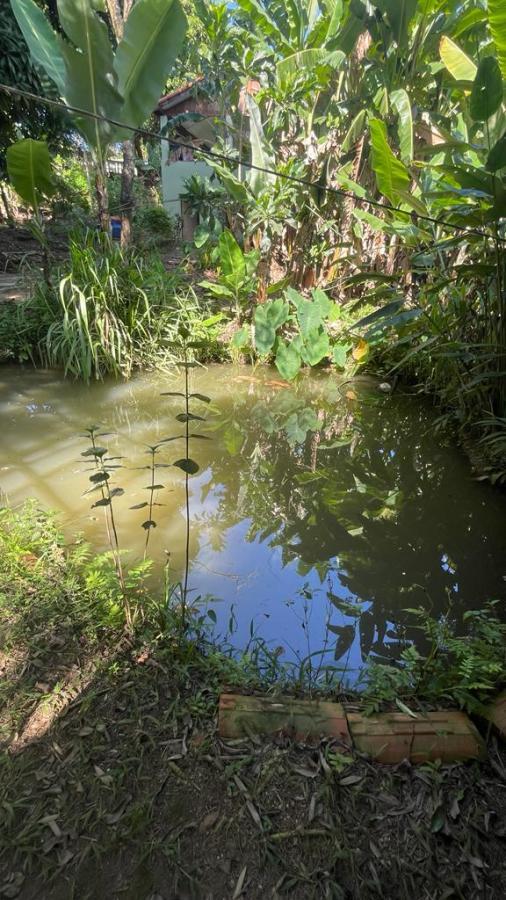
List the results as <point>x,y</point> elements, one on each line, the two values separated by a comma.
<point>321,510</point>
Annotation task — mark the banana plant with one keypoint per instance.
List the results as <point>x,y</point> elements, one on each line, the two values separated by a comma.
<point>121,84</point>
<point>31,175</point>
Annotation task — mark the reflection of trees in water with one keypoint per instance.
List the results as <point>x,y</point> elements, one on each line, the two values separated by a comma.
<point>366,495</point>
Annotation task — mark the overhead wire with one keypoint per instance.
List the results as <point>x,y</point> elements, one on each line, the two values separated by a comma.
<point>413,216</point>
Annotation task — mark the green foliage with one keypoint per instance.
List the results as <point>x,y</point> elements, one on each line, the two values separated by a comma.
<point>391,174</point>
<point>72,186</point>
<point>74,587</point>
<point>123,85</point>
<point>108,311</point>
<point>30,171</point>
<point>487,92</point>
<point>154,32</point>
<point>154,225</point>
<point>21,117</point>
<point>298,330</point>
<point>237,279</point>
<point>465,669</point>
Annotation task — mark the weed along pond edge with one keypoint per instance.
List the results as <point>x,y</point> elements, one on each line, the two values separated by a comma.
<point>449,736</point>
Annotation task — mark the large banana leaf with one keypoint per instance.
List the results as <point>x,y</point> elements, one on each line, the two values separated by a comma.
<point>153,35</point>
<point>29,170</point>
<point>91,80</point>
<point>497,22</point>
<point>487,92</point>
<point>230,254</point>
<point>456,61</point>
<point>260,155</point>
<point>355,131</point>
<point>43,42</point>
<point>326,25</point>
<point>297,22</point>
<point>305,61</point>
<point>392,176</point>
<point>266,24</point>
<point>399,14</point>
<point>402,105</point>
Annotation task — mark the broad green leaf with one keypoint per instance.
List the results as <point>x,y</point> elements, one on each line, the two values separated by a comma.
<point>316,347</point>
<point>309,315</point>
<point>297,426</point>
<point>265,23</point>
<point>90,79</point>
<point>219,290</point>
<point>296,21</point>
<point>326,24</point>
<point>335,19</point>
<point>456,61</point>
<point>487,92</point>
<point>241,338</point>
<point>277,312</point>
<point>287,361</point>
<point>467,20</point>
<point>304,62</point>
<point>230,254</point>
<point>497,157</point>
<point>322,301</point>
<point>234,186</point>
<point>392,175</point>
<point>30,170</point>
<point>43,42</point>
<point>153,36</point>
<point>260,155</point>
<point>497,22</point>
<point>355,131</point>
<point>341,179</point>
<point>201,235</point>
<point>402,105</point>
<point>233,438</point>
<point>187,465</point>
<point>339,355</point>
<point>399,14</point>
<point>265,333</point>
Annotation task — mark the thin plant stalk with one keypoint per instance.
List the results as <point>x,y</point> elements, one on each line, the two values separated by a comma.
<point>112,532</point>
<point>187,489</point>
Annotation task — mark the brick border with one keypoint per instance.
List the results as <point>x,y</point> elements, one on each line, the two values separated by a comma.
<point>388,738</point>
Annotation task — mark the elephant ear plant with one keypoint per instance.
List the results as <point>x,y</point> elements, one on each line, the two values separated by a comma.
<point>121,83</point>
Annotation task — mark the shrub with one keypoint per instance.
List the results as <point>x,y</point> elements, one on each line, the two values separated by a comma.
<point>155,224</point>
<point>107,311</point>
<point>464,669</point>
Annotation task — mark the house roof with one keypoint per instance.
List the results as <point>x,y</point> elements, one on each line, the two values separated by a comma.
<point>178,96</point>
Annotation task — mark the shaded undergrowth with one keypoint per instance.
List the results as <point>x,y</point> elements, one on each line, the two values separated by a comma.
<point>114,783</point>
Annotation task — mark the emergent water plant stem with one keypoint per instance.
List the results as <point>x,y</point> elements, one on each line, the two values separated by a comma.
<point>100,479</point>
<point>186,463</point>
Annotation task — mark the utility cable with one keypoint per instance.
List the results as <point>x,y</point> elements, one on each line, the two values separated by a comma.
<point>212,154</point>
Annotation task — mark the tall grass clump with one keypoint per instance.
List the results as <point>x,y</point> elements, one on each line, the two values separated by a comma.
<point>101,311</point>
<point>109,310</point>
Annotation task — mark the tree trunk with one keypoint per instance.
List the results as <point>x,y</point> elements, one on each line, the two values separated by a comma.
<point>7,207</point>
<point>127,192</point>
<point>102,199</point>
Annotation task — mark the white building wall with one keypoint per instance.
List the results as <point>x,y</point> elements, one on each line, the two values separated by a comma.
<point>174,175</point>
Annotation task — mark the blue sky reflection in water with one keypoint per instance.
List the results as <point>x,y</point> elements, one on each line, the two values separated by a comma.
<point>317,517</point>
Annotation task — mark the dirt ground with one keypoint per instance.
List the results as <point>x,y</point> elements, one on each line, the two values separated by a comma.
<point>114,784</point>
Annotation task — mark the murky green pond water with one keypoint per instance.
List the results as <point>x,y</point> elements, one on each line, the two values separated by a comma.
<point>317,517</point>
